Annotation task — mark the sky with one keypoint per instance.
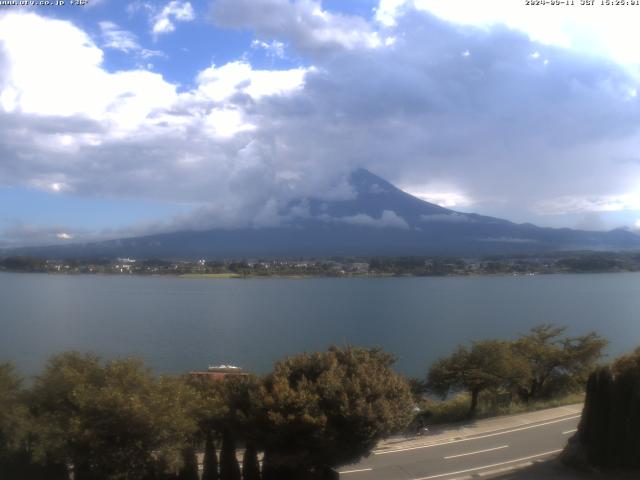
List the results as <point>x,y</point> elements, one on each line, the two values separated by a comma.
<point>128,118</point>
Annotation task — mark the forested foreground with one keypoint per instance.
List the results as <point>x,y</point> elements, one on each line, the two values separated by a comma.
<point>85,418</point>
<point>609,432</point>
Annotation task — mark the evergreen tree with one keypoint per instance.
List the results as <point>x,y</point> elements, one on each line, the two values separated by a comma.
<point>189,470</point>
<point>210,463</point>
<point>229,467</point>
<point>250,464</point>
<point>326,409</point>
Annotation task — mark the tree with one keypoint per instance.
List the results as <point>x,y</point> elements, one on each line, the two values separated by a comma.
<point>229,467</point>
<point>111,421</point>
<point>489,364</point>
<point>13,413</point>
<point>555,363</point>
<point>250,465</point>
<point>327,409</point>
<point>189,470</point>
<point>609,430</point>
<point>210,462</point>
<point>15,457</point>
<point>208,412</point>
<point>240,395</point>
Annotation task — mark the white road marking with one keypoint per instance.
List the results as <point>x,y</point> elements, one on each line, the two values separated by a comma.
<point>386,452</point>
<point>356,471</point>
<point>478,451</point>
<point>489,466</point>
<point>570,431</point>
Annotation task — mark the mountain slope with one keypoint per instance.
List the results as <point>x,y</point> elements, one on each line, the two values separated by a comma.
<point>379,220</point>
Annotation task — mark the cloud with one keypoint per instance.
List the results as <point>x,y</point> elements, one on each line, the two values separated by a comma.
<point>118,39</point>
<point>576,204</point>
<point>494,128</point>
<point>67,79</point>
<point>596,29</point>
<point>273,48</point>
<point>388,219</point>
<point>21,234</point>
<point>303,23</point>
<point>508,240</point>
<point>447,217</point>
<point>237,78</point>
<point>122,40</point>
<point>444,199</point>
<point>174,11</point>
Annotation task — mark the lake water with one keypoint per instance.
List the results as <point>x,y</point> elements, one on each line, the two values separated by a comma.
<point>180,324</point>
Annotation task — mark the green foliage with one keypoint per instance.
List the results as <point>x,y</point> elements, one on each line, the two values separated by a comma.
<point>453,409</point>
<point>210,462</point>
<point>331,408</point>
<point>112,420</point>
<point>456,407</point>
<point>489,364</point>
<point>15,458</point>
<point>556,365</point>
<point>593,262</point>
<point>609,430</point>
<point>189,470</point>
<point>23,264</point>
<point>539,365</point>
<point>13,413</point>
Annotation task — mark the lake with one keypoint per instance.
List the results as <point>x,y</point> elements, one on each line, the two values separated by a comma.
<point>178,324</point>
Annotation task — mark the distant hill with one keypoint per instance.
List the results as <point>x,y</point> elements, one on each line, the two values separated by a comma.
<point>380,220</point>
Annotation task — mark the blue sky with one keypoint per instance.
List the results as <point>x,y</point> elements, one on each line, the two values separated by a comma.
<point>125,118</point>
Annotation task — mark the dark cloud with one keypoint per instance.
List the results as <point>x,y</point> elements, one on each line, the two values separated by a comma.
<point>486,113</point>
<point>303,23</point>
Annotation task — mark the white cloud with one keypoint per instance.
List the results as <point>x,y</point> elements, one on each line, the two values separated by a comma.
<point>174,11</point>
<point>273,48</point>
<point>442,198</point>
<point>583,204</point>
<point>67,78</point>
<point>388,219</point>
<point>220,83</point>
<point>592,29</point>
<point>22,234</point>
<point>117,39</point>
<point>387,11</point>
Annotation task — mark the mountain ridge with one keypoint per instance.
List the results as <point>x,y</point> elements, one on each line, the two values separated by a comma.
<point>380,219</point>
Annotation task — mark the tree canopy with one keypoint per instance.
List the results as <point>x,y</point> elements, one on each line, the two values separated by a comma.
<point>488,364</point>
<point>555,362</point>
<point>111,420</point>
<point>325,409</point>
<point>538,364</point>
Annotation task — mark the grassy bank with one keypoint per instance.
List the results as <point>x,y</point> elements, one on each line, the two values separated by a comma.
<point>456,409</point>
<point>210,275</point>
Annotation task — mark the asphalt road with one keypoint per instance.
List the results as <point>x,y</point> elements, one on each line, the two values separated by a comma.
<point>472,456</point>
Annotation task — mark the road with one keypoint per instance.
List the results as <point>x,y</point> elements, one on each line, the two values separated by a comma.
<point>511,444</point>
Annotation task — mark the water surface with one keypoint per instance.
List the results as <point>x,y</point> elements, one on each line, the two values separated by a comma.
<point>180,324</point>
